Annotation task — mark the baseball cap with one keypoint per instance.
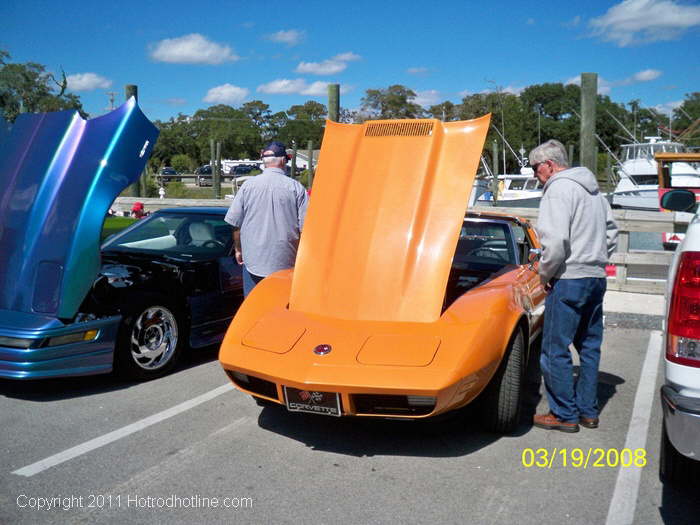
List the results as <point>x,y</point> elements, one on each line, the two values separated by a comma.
<point>274,149</point>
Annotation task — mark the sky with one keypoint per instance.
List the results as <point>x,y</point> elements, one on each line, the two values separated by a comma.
<point>189,55</point>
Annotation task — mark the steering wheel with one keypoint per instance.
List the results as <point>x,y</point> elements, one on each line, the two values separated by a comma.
<point>485,251</point>
<point>212,243</point>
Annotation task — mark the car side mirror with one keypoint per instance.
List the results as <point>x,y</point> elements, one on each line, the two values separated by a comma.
<point>679,200</point>
<point>533,256</point>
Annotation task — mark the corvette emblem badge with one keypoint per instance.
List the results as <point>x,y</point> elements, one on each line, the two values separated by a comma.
<point>322,349</point>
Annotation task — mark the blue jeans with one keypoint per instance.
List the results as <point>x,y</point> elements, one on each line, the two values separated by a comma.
<point>249,280</point>
<point>573,314</point>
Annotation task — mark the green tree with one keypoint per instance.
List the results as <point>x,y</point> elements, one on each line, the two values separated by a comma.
<point>687,119</point>
<point>182,163</point>
<point>508,118</point>
<point>394,102</point>
<point>445,111</point>
<point>239,136</point>
<point>307,123</point>
<point>260,115</point>
<point>30,88</point>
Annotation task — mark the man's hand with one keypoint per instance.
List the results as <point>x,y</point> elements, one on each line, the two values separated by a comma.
<point>237,246</point>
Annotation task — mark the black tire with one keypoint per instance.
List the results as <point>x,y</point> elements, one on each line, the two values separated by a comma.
<point>502,397</point>
<point>151,340</point>
<point>674,467</point>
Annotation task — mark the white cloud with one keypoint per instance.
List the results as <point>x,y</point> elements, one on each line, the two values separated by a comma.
<point>530,21</point>
<point>427,98</point>
<point>327,67</point>
<point>641,21</point>
<point>298,86</point>
<point>283,86</point>
<point>316,89</point>
<point>508,89</point>
<point>226,94</point>
<point>668,107</point>
<point>575,21</point>
<point>646,75</point>
<point>192,49</point>
<point>347,57</point>
<point>417,70</point>
<point>465,93</point>
<point>291,37</point>
<point>330,66</point>
<point>87,82</point>
<point>605,86</point>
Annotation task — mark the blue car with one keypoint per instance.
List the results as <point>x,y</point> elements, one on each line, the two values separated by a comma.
<point>69,307</point>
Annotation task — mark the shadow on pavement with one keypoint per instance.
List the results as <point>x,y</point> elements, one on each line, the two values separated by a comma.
<point>453,436</point>
<point>534,388</point>
<point>680,506</point>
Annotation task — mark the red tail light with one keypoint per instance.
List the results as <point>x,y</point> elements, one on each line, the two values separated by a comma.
<point>683,344</point>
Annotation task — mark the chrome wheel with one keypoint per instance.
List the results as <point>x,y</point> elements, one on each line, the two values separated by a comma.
<point>154,338</point>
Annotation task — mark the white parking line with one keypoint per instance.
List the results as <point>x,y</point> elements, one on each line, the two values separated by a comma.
<point>624,500</point>
<point>101,441</point>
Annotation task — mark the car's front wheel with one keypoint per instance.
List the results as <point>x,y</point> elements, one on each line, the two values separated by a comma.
<point>151,341</point>
<point>502,397</point>
<point>674,467</point>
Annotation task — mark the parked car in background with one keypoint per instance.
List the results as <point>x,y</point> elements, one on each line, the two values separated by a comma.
<point>168,174</point>
<point>69,307</point>
<point>242,169</point>
<point>680,394</point>
<point>204,175</point>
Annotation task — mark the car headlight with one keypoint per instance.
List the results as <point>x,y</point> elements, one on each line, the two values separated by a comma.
<point>16,342</point>
<point>72,338</point>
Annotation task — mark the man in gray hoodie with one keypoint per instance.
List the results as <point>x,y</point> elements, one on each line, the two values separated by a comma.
<point>578,235</point>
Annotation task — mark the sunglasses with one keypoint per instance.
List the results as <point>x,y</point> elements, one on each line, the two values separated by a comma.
<point>537,165</point>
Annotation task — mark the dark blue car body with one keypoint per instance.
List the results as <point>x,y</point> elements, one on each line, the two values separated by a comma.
<point>61,314</point>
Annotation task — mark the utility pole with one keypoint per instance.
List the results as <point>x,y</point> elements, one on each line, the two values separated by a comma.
<point>111,95</point>
<point>310,148</point>
<point>216,173</point>
<point>132,90</point>
<point>494,178</point>
<point>589,95</point>
<point>293,169</point>
<point>333,102</point>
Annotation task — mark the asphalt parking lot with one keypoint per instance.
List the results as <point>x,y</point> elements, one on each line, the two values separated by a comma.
<point>189,449</point>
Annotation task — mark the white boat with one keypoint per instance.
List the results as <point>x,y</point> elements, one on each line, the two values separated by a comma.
<point>637,187</point>
<point>520,190</point>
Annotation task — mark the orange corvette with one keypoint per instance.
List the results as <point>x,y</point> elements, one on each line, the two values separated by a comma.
<point>399,305</point>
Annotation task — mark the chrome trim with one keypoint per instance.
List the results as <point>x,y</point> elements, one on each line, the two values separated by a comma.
<point>682,417</point>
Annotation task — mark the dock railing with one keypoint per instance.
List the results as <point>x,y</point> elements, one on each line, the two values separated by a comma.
<point>627,221</point>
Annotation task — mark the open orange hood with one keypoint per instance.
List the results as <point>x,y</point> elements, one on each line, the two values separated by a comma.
<point>384,218</point>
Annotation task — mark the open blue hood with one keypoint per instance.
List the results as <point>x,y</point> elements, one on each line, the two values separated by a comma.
<point>58,176</point>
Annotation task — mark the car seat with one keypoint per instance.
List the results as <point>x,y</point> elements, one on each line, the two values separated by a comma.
<point>200,233</point>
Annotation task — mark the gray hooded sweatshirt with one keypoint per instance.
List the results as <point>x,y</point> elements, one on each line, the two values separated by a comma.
<point>575,226</point>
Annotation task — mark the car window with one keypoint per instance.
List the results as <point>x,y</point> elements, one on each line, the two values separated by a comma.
<point>522,242</point>
<point>484,243</point>
<point>195,236</point>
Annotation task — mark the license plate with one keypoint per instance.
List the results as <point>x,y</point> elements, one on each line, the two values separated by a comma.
<point>312,401</point>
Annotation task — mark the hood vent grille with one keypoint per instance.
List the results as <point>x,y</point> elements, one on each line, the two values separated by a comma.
<point>399,129</point>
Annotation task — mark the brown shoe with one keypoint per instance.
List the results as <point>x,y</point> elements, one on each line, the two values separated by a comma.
<point>588,422</point>
<point>551,422</point>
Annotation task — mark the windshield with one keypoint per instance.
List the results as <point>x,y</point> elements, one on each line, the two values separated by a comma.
<point>484,242</point>
<point>648,150</point>
<point>195,236</point>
